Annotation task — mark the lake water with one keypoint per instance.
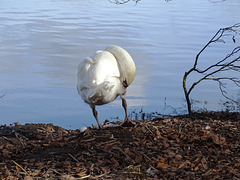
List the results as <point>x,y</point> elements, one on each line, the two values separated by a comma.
<point>42,43</point>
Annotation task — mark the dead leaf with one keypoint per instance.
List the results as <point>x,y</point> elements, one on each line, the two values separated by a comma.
<point>116,164</point>
<point>66,164</point>
<point>17,124</point>
<point>99,162</point>
<point>227,151</point>
<point>36,172</point>
<point>1,147</point>
<point>162,165</point>
<point>11,178</point>
<point>82,174</point>
<point>107,147</point>
<point>67,177</point>
<point>128,152</point>
<point>178,157</point>
<point>185,164</point>
<point>138,158</point>
<point>205,133</point>
<point>218,139</point>
<point>49,129</point>
<point>28,178</point>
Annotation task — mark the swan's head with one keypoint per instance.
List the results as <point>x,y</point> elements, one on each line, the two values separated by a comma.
<point>126,64</point>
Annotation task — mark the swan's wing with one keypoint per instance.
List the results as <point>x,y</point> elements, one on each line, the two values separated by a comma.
<point>83,69</point>
<point>92,72</point>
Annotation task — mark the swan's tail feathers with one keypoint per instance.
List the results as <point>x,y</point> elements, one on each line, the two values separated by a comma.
<point>100,94</point>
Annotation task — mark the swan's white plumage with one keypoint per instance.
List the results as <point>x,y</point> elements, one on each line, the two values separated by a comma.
<point>126,64</point>
<point>99,82</point>
<point>105,76</point>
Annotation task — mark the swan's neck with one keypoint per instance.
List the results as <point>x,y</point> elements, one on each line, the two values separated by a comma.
<point>126,64</point>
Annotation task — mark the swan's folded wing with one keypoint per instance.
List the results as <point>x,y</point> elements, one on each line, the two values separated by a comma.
<point>99,95</point>
<point>83,74</point>
<point>84,66</point>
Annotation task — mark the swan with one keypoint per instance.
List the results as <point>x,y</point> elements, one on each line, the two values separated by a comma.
<point>105,76</point>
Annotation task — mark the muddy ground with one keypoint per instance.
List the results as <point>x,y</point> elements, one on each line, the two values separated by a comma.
<point>203,146</point>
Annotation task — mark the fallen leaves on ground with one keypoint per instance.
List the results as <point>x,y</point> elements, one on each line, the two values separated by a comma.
<point>201,146</point>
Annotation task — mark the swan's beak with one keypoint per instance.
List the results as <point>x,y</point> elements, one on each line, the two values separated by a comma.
<point>125,83</point>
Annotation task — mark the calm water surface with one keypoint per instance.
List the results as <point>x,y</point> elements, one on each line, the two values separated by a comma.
<point>42,43</point>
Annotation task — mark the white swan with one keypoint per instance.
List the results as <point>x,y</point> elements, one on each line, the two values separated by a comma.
<point>104,77</point>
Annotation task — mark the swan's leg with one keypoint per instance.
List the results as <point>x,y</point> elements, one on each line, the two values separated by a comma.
<point>95,114</point>
<point>127,121</point>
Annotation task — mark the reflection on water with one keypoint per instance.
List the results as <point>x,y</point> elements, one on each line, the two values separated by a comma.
<point>42,42</point>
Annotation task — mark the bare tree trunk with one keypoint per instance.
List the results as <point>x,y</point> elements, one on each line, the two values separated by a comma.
<point>186,93</point>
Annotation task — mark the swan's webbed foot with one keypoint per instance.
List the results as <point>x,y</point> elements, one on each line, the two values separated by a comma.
<point>128,123</point>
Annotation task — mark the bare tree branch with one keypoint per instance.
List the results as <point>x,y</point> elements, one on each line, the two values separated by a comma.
<point>118,2</point>
<point>231,62</point>
<point>222,85</point>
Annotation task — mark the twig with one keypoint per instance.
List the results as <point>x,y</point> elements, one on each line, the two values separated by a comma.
<point>118,2</point>
<point>7,139</point>
<point>149,159</point>
<point>96,177</point>
<point>55,171</point>
<point>19,166</point>
<point>109,142</point>
<point>123,153</point>
<point>154,168</point>
<point>84,177</point>
<point>134,169</point>
<point>150,130</point>
<point>73,157</point>
<point>87,140</point>
<point>19,139</point>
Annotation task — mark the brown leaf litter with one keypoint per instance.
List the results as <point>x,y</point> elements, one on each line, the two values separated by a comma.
<point>201,146</point>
